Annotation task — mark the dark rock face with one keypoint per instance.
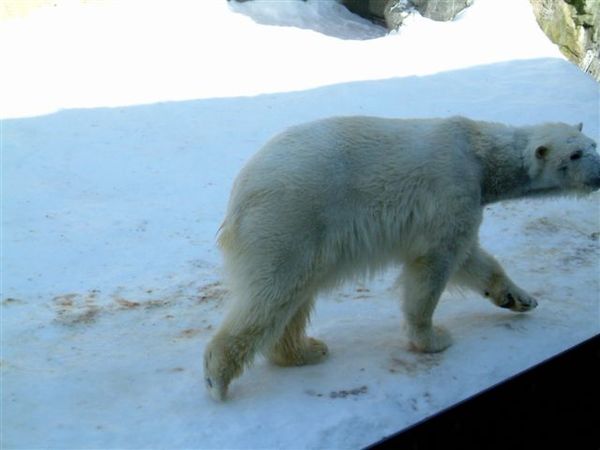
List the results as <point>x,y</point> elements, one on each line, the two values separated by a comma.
<point>574,25</point>
<point>369,9</point>
<point>441,10</point>
<point>392,12</point>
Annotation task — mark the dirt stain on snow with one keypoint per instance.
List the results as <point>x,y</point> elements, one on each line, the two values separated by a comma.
<point>211,292</point>
<point>418,403</point>
<point>349,393</point>
<point>171,370</point>
<point>190,332</point>
<point>10,301</point>
<point>362,293</point>
<point>575,248</point>
<point>581,256</point>
<point>342,393</point>
<point>544,225</point>
<point>414,363</point>
<point>74,309</point>
<point>125,304</point>
<point>553,225</point>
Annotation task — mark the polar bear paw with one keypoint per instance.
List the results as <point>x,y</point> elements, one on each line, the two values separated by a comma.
<point>216,387</point>
<point>223,361</point>
<point>515,299</point>
<point>431,340</point>
<point>216,383</point>
<point>315,351</point>
<point>312,351</point>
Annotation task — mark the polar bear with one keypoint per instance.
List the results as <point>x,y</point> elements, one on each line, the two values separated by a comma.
<point>326,200</point>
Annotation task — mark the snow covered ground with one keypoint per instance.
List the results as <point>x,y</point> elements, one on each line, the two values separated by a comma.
<point>123,128</point>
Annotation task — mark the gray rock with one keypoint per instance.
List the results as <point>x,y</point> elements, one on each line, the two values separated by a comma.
<point>441,10</point>
<point>574,25</point>
<point>369,9</point>
<point>393,12</point>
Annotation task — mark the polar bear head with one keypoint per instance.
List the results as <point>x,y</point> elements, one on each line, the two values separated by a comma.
<point>562,159</point>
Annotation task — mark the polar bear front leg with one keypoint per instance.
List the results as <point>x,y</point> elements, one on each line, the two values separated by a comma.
<point>482,273</point>
<point>424,281</point>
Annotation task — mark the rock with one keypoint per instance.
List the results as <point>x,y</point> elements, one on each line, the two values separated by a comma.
<point>393,12</point>
<point>372,10</point>
<point>574,25</point>
<point>440,10</point>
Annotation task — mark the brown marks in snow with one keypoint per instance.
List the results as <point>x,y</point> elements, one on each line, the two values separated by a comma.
<point>342,393</point>
<point>74,309</point>
<point>11,301</point>
<point>211,292</point>
<point>414,363</point>
<point>568,245</point>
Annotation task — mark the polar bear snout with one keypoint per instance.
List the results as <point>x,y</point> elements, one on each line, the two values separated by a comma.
<point>581,167</point>
<point>592,178</point>
<point>594,183</point>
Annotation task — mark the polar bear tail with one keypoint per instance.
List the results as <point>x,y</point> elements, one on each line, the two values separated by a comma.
<point>225,236</point>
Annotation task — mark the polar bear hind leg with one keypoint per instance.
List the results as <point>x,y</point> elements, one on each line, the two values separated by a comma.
<point>294,348</point>
<point>248,329</point>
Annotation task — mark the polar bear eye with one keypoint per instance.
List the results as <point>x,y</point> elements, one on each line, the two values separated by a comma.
<point>576,155</point>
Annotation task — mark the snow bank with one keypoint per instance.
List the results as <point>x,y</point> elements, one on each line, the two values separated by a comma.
<point>125,53</point>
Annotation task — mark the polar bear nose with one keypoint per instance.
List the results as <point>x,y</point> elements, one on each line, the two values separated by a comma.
<point>595,182</point>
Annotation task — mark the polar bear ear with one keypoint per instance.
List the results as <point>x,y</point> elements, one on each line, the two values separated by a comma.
<point>579,126</point>
<point>541,152</point>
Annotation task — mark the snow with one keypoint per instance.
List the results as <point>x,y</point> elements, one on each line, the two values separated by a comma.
<point>123,128</point>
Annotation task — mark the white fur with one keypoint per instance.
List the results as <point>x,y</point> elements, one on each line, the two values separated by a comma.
<point>329,199</point>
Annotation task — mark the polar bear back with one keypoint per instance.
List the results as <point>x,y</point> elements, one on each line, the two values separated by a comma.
<point>353,151</point>
<point>360,161</point>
